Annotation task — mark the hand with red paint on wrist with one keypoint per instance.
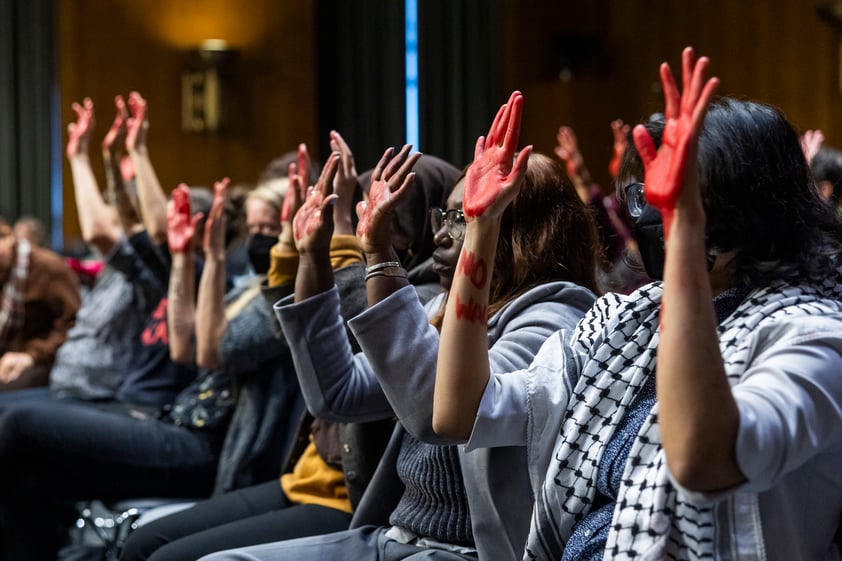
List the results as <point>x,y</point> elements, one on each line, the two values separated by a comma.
<point>114,141</point>
<point>313,223</point>
<point>621,141</point>
<point>670,176</point>
<point>137,125</point>
<point>494,177</point>
<point>811,143</point>
<point>344,186</point>
<point>214,242</point>
<point>180,225</point>
<point>79,133</point>
<point>390,182</point>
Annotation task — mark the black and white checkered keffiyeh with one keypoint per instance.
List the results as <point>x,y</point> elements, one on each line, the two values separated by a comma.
<point>14,291</point>
<point>619,337</point>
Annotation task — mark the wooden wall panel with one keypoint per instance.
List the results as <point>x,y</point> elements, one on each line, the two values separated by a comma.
<point>775,51</point>
<point>115,46</point>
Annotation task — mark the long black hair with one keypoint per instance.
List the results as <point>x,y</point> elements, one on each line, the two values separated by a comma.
<point>758,195</point>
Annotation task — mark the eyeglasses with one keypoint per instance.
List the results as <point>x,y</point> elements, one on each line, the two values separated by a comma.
<point>454,219</point>
<point>635,198</point>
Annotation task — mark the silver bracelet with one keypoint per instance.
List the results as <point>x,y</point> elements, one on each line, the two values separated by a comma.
<point>389,271</point>
<point>380,266</point>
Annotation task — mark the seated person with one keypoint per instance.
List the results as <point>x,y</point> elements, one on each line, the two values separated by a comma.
<point>39,298</point>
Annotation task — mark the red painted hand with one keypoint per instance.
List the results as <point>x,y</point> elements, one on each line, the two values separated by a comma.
<point>137,124</point>
<point>180,225</point>
<point>313,225</point>
<point>621,135</point>
<point>214,242</point>
<point>390,182</point>
<point>79,133</point>
<point>493,180</point>
<point>115,138</point>
<point>665,168</point>
<point>568,152</point>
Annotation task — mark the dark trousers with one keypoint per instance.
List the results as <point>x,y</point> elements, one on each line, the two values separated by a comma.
<point>250,516</point>
<point>53,452</point>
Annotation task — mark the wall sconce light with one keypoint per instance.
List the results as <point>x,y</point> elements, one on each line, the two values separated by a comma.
<point>204,87</point>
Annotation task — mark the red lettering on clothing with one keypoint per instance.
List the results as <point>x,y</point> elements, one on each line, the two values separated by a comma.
<point>156,330</point>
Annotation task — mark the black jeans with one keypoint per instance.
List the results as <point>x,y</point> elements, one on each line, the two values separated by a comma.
<point>53,452</point>
<point>250,516</point>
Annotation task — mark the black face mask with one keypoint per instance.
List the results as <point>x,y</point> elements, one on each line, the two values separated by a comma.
<point>259,247</point>
<point>649,231</point>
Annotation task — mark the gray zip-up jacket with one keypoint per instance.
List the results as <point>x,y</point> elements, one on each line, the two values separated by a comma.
<point>395,375</point>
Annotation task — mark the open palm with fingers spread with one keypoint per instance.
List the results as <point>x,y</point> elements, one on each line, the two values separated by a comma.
<point>79,133</point>
<point>684,113</point>
<point>494,177</point>
<point>180,225</point>
<point>313,223</point>
<point>390,181</point>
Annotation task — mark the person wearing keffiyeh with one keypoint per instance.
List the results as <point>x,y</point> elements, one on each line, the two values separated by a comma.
<point>39,297</point>
<point>696,418</point>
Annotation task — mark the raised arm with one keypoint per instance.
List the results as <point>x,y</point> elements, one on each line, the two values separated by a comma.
<point>620,130</point>
<point>568,152</point>
<point>293,199</point>
<point>181,227</point>
<point>344,186</point>
<point>95,217</point>
<point>113,148</point>
<point>698,415</point>
<point>390,182</point>
<point>151,197</point>
<point>491,183</point>
<point>210,306</point>
<point>313,228</point>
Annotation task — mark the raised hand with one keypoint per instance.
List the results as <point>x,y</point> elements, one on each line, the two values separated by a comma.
<point>293,199</point>
<point>180,225</point>
<point>811,143</point>
<point>214,242</point>
<point>79,133</point>
<point>667,181</point>
<point>494,178</point>
<point>115,138</point>
<point>621,135</point>
<point>568,152</point>
<point>390,181</point>
<point>295,195</point>
<point>137,124</point>
<point>312,224</point>
<point>344,185</point>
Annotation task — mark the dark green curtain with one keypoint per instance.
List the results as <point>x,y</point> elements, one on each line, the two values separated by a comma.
<point>27,90</point>
<point>361,86</point>
<point>459,50</point>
